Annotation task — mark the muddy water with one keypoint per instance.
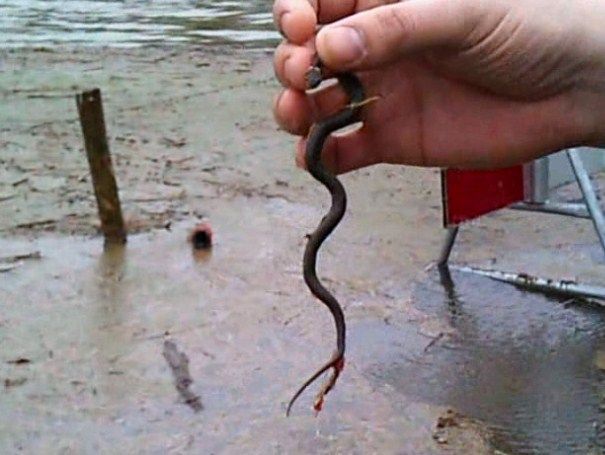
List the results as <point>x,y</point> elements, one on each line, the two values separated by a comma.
<point>92,326</point>
<point>531,367</point>
<point>135,22</point>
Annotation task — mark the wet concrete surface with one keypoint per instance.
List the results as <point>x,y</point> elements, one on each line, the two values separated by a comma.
<point>93,324</point>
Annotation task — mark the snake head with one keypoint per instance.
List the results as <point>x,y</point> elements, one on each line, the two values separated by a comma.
<point>314,77</point>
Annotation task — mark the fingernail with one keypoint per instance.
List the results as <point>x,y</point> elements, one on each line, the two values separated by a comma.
<point>343,44</point>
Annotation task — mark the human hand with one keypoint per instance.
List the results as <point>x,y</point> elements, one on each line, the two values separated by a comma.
<point>462,83</point>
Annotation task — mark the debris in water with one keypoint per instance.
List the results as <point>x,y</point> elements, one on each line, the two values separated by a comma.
<point>21,257</point>
<point>449,420</point>
<point>14,382</point>
<point>170,142</point>
<point>8,267</point>
<point>19,361</point>
<point>37,223</point>
<point>433,342</point>
<point>201,237</point>
<point>179,364</point>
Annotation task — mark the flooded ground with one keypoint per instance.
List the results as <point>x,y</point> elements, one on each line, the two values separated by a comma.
<point>135,22</point>
<point>529,366</point>
<point>82,330</point>
<point>82,335</point>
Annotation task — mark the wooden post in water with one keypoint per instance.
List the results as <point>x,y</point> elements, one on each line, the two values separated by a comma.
<point>90,108</point>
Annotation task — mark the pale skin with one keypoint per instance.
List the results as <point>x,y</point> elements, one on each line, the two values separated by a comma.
<point>459,83</point>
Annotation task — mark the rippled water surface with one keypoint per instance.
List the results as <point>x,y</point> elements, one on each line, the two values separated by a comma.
<point>135,22</point>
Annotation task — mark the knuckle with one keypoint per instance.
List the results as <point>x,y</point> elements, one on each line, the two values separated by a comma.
<point>473,16</point>
<point>390,19</point>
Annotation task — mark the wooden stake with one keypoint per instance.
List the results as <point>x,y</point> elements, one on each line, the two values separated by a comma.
<point>90,108</point>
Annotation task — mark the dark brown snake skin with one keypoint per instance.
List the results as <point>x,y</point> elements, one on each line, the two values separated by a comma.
<point>317,137</point>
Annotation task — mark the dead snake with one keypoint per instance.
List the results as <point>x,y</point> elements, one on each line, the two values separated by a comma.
<point>318,135</point>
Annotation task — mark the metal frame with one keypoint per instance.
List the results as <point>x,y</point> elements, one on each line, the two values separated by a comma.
<point>564,288</point>
<point>536,200</point>
<point>590,196</point>
<point>557,208</point>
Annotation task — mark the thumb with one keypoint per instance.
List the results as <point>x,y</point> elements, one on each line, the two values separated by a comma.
<point>385,33</point>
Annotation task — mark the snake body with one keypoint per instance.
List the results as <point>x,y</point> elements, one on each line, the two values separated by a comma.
<point>317,137</point>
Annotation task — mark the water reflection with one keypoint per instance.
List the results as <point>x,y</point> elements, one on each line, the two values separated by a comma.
<point>135,22</point>
<point>107,327</point>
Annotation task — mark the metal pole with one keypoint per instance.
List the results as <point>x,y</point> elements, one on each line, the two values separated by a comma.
<point>448,245</point>
<point>535,179</point>
<point>533,283</point>
<point>557,208</point>
<point>589,194</point>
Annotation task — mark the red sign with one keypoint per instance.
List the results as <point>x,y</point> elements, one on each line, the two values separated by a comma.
<point>470,194</point>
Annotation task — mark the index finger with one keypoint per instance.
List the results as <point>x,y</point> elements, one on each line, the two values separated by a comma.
<point>332,10</point>
<point>295,19</point>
